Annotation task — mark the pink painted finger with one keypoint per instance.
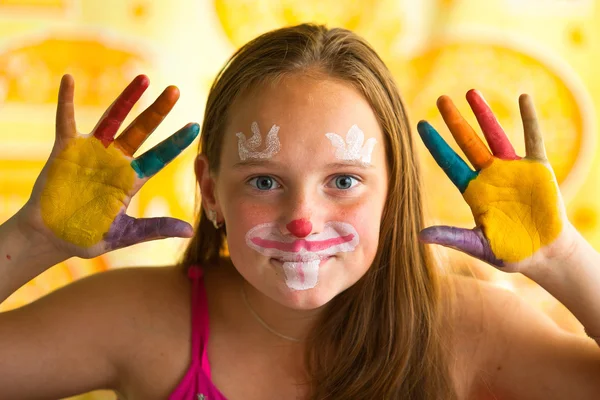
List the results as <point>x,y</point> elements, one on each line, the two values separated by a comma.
<point>126,231</point>
<point>493,132</point>
<point>65,110</point>
<point>112,120</point>
<point>470,241</point>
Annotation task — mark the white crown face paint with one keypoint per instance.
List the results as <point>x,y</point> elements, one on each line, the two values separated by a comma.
<point>247,148</point>
<point>301,258</point>
<point>352,148</point>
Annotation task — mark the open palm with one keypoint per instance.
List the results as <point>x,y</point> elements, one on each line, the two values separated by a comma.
<point>80,199</point>
<point>515,201</point>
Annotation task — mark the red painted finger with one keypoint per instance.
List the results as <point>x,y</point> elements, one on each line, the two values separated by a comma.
<point>493,132</point>
<point>112,120</point>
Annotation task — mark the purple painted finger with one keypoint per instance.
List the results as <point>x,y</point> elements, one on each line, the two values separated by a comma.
<point>126,231</point>
<point>470,241</point>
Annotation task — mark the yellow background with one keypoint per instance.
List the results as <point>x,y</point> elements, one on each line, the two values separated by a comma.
<point>548,48</point>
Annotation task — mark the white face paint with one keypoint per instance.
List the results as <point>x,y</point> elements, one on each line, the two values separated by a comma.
<point>352,148</point>
<point>301,258</point>
<point>247,148</point>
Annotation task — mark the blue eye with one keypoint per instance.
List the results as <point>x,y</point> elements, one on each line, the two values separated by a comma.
<point>263,183</point>
<point>344,182</point>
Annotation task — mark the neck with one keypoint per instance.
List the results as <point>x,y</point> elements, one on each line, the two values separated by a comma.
<point>276,320</point>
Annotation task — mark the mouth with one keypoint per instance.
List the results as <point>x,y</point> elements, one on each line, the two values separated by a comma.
<point>303,258</point>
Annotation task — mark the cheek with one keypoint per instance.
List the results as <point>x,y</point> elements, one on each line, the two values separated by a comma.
<point>241,216</point>
<point>365,218</point>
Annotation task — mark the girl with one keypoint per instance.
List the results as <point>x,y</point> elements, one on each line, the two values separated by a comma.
<point>308,174</point>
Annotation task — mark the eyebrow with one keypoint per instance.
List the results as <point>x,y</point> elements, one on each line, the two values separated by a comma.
<point>253,163</point>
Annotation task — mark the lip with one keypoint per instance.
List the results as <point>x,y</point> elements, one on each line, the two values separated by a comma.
<point>301,258</point>
<point>297,259</point>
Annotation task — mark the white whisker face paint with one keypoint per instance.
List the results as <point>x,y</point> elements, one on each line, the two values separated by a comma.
<point>248,147</point>
<point>352,148</point>
<point>301,259</point>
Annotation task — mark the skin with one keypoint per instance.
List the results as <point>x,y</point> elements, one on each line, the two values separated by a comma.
<point>128,329</point>
<point>81,200</point>
<point>515,201</point>
<point>303,189</point>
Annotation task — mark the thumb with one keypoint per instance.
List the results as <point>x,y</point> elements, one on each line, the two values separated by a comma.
<point>469,241</point>
<point>126,231</point>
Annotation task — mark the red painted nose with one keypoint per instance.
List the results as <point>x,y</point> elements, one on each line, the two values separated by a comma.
<point>299,227</point>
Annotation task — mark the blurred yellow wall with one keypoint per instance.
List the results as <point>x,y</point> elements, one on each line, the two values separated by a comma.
<point>548,48</point>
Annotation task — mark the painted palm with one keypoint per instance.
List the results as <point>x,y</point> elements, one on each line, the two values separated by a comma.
<point>89,180</point>
<point>515,200</point>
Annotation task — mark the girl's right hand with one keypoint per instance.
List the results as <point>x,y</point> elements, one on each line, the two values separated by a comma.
<point>78,202</point>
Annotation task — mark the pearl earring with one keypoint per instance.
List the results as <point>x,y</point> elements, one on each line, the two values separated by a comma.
<point>212,216</point>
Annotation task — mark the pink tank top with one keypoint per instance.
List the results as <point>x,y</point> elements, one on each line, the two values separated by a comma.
<point>196,384</point>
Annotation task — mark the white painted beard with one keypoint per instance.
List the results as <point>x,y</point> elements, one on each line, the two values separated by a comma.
<point>301,275</point>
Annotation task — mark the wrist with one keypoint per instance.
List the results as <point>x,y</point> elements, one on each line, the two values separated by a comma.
<point>573,278</point>
<point>24,254</point>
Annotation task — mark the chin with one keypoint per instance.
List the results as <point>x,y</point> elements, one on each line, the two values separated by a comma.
<point>325,290</point>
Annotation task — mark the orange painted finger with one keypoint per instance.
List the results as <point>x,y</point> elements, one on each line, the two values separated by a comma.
<point>132,138</point>
<point>466,138</point>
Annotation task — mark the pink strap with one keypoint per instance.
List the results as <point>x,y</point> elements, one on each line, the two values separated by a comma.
<point>200,329</point>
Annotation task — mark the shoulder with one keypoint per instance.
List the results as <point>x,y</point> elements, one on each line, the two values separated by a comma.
<point>130,291</point>
<point>139,303</point>
<point>111,328</point>
<point>113,293</point>
<point>478,313</point>
<point>503,340</point>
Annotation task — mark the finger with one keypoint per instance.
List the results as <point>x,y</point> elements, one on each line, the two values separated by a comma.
<point>469,241</point>
<point>132,138</point>
<point>493,132</point>
<point>457,170</point>
<point>534,142</point>
<point>126,231</point>
<point>65,110</point>
<point>160,155</point>
<point>466,138</point>
<point>109,124</point>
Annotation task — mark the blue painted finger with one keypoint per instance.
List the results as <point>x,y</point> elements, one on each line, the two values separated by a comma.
<point>156,158</point>
<point>453,165</point>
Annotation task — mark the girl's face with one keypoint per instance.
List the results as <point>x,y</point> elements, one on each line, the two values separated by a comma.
<point>300,192</point>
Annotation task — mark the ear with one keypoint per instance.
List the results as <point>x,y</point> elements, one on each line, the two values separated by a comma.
<point>207,185</point>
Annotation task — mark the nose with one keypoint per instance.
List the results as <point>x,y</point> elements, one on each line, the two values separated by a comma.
<point>300,227</point>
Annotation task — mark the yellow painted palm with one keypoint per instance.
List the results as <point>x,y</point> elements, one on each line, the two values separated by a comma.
<point>516,203</point>
<point>79,202</point>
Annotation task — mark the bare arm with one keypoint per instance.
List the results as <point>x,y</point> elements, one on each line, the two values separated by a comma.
<point>529,356</point>
<point>59,345</point>
<point>72,340</point>
<point>24,254</point>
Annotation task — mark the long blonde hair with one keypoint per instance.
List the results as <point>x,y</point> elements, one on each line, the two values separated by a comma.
<point>381,338</point>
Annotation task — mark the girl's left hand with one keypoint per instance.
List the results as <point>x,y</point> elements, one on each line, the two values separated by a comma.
<point>519,214</point>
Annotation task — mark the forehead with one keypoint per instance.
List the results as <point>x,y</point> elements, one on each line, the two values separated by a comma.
<point>305,109</point>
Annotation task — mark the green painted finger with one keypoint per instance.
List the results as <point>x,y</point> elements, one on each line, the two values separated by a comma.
<point>156,158</point>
